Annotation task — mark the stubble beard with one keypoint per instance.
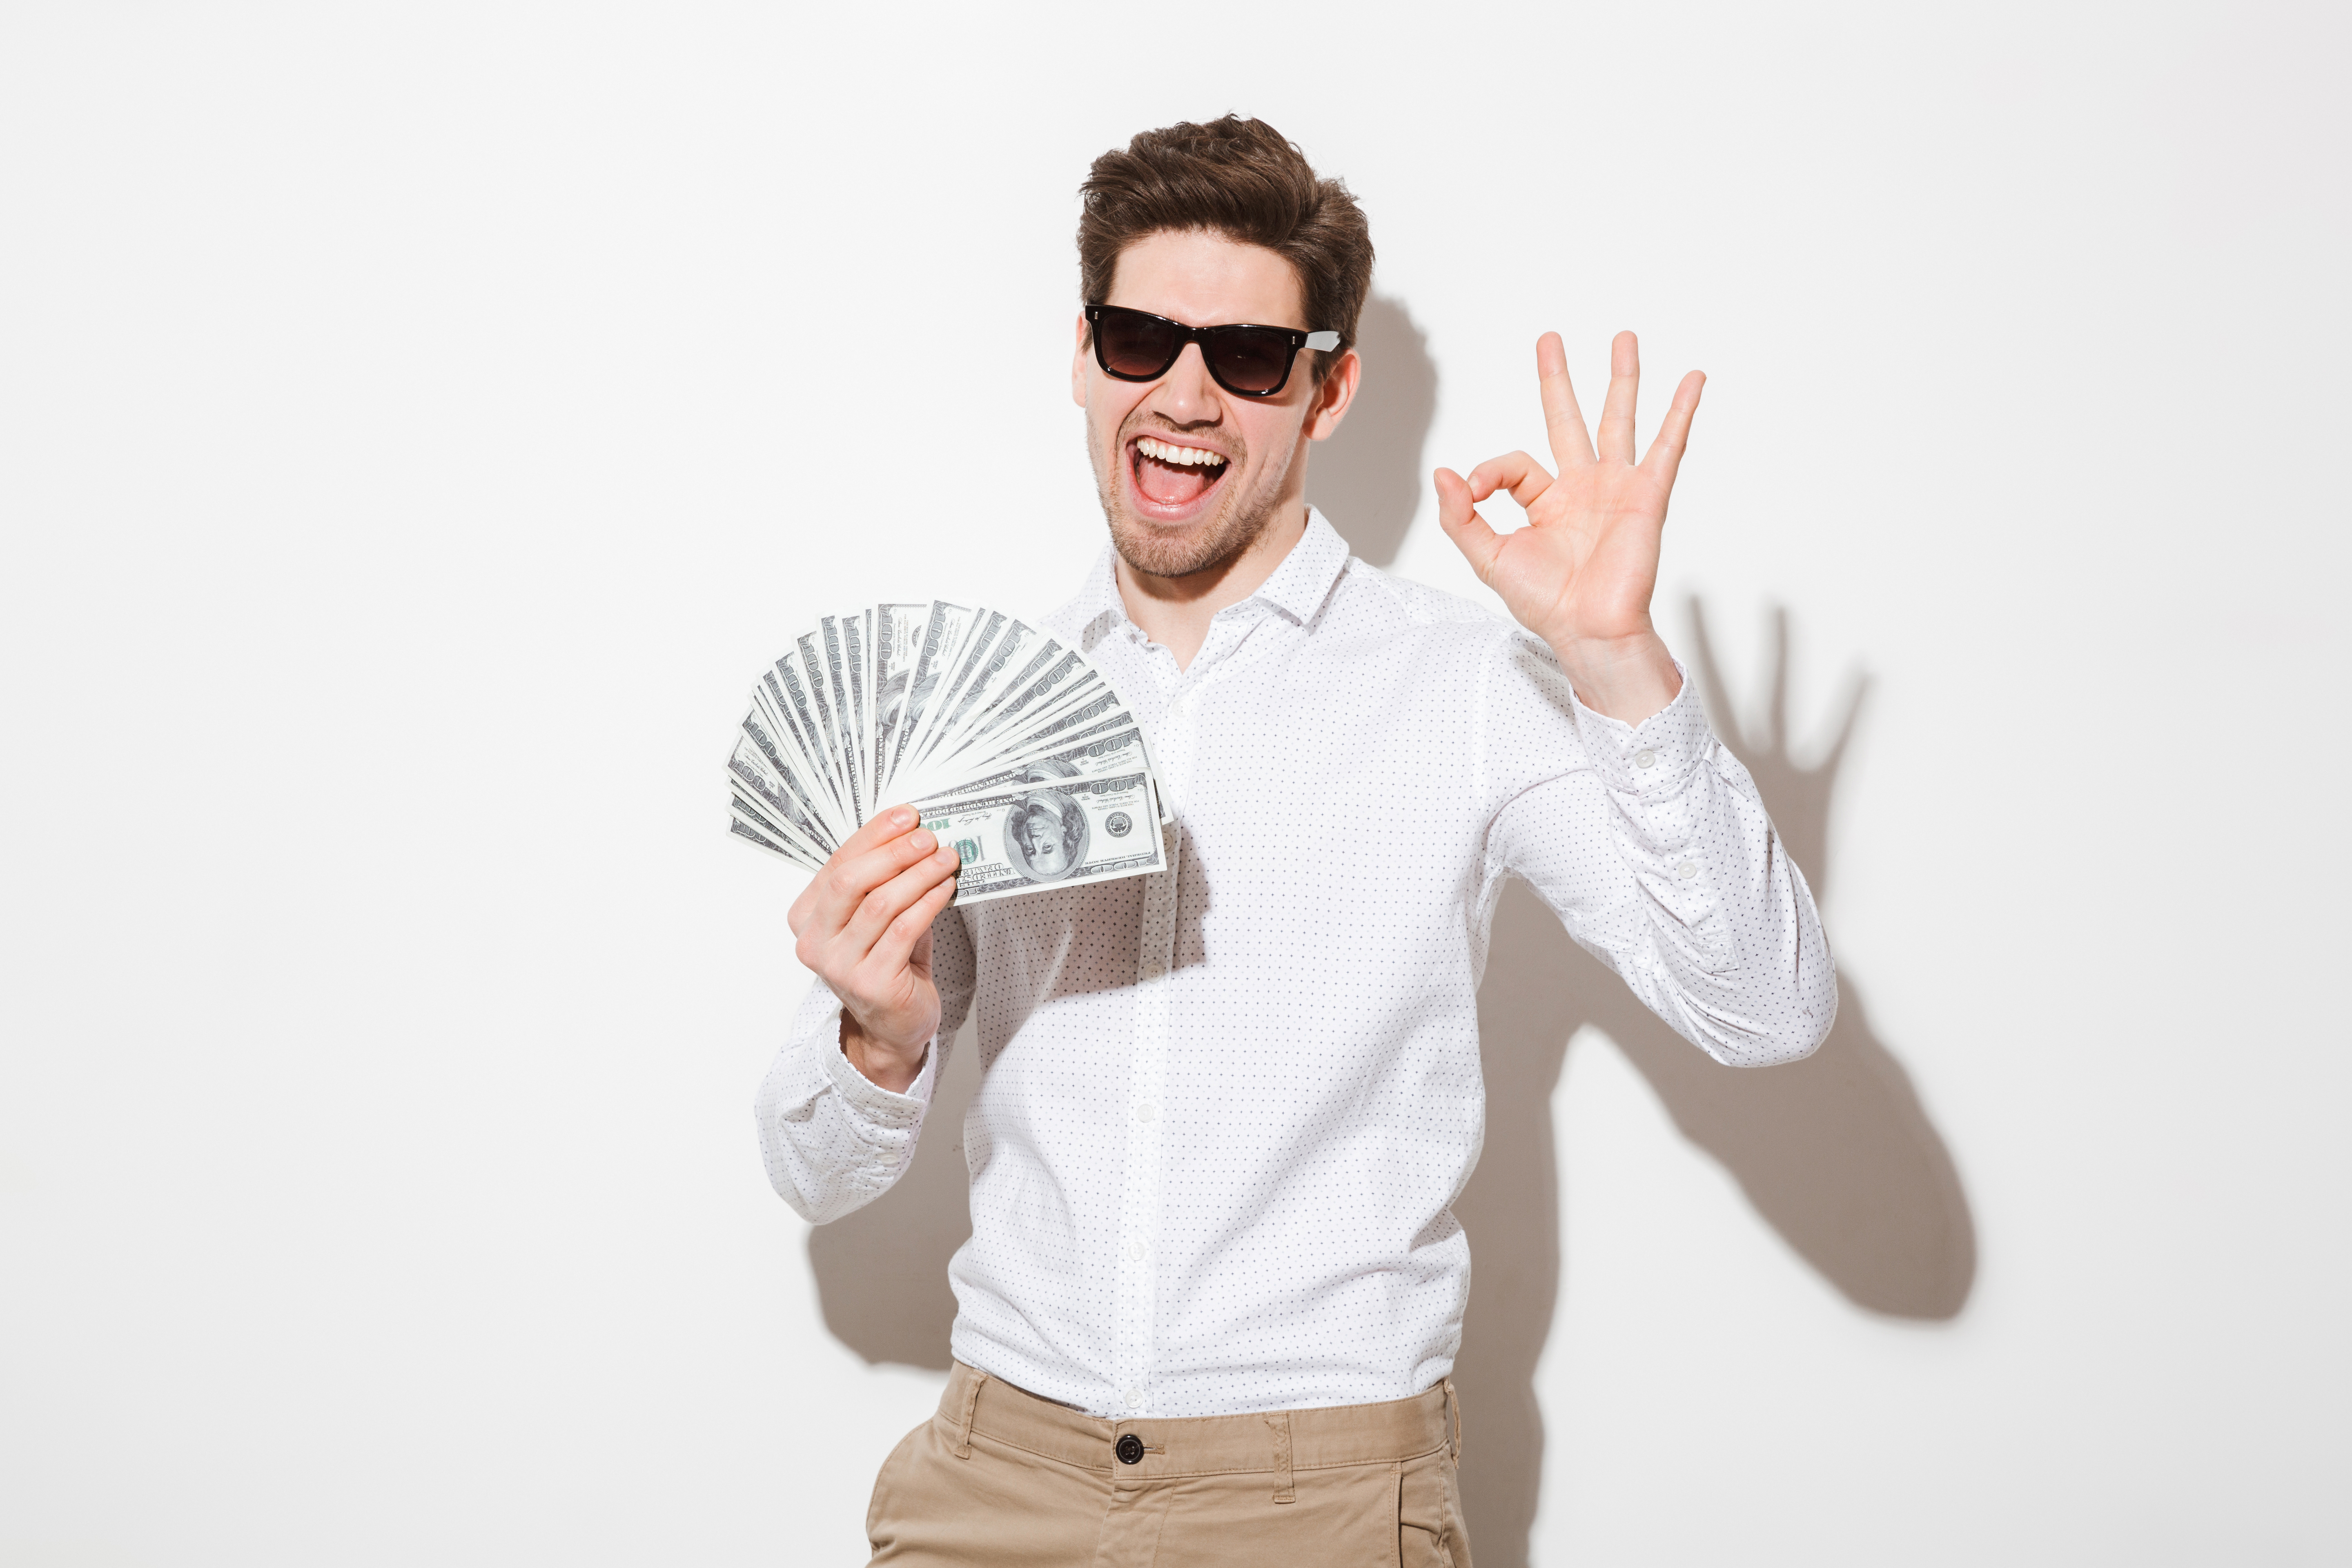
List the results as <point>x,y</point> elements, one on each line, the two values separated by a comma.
<point>1232,528</point>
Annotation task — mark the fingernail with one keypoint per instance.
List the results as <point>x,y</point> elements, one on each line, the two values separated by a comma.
<point>903,815</point>
<point>923,841</point>
<point>948,852</point>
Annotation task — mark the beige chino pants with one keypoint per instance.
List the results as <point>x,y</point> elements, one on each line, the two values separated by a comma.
<point>1000,1479</point>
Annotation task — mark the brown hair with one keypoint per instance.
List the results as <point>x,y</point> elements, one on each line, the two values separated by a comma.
<point>1238,178</point>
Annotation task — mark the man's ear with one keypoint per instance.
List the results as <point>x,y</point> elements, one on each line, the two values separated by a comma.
<point>1331,399</point>
<point>1078,366</point>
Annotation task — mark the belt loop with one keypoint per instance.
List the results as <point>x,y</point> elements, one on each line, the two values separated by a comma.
<point>1453,1408</point>
<point>973,1378</point>
<point>1285,1491</point>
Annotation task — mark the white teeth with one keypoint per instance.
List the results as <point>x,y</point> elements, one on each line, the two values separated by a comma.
<point>1165,453</point>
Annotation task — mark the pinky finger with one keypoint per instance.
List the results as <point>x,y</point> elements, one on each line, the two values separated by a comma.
<point>1666,448</point>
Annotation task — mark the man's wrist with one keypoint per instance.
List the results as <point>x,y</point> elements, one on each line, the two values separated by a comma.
<point>881,1064</point>
<point>1626,678</point>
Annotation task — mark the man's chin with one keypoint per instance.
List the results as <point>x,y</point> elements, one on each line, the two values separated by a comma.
<point>1157,550</point>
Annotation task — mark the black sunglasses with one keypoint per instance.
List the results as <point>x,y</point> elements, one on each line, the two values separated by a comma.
<point>1250,362</point>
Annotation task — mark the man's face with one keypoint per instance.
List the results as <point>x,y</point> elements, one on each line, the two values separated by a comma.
<point>1045,844</point>
<point>1190,474</point>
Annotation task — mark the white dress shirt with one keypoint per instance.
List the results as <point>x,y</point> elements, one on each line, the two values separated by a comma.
<point>1225,1110</point>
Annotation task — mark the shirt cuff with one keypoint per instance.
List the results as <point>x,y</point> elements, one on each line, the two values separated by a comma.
<point>818,1026</point>
<point>1655,758</point>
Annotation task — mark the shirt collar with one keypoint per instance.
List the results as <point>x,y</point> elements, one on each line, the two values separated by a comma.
<point>1304,580</point>
<point>1297,588</point>
<point>1099,606</point>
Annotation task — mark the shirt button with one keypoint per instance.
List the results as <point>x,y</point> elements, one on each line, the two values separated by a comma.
<point>1687,871</point>
<point>1644,757</point>
<point>1147,1111</point>
<point>1130,1450</point>
<point>1135,1249</point>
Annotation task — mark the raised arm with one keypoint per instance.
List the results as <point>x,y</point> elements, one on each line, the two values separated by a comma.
<point>1654,848</point>
<point>1693,900</point>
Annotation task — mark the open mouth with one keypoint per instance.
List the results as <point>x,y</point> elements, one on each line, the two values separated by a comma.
<point>1171,481</point>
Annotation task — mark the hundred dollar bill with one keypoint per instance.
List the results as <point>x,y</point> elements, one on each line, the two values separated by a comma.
<point>897,637</point>
<point>755,769</point>
<point>1096,704</point>
<point>792,704</point>
<point>831,737</point>
<point>1012,745</point>
<point>995,645</point>
<point>1054,832</point>
<point>844,644</point>
<point>747,821</point>
<point>1045,727</point>
<point>1050,676</point>
<point>943,634</point>
<point>773,730</point>
<point>1119,753</point>
<point>759,840</point>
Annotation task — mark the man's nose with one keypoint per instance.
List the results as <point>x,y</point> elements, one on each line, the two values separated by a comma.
<point>1188,394</point>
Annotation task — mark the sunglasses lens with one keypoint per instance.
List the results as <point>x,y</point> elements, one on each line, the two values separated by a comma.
<point>1251,358</point>
<point>1133,344</point>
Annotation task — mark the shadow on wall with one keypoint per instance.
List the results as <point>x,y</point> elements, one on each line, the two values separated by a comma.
<point>1368,478</point>
<point>1835,1151</point>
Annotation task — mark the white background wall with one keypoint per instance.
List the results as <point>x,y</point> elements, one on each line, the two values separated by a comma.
<point>418,422</point>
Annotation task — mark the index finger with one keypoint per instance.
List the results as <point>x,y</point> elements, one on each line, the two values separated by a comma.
<point>882,828</point>
<point>1572,444</point>
<point>1517,472</point>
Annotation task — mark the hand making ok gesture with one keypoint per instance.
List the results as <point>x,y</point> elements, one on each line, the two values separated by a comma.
<point>1580,574</point>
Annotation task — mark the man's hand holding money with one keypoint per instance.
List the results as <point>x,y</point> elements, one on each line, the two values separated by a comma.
<point>865,929</point>
<point>1020,770</point>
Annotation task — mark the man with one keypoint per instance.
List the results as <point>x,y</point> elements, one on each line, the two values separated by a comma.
<point>1213,1288</point>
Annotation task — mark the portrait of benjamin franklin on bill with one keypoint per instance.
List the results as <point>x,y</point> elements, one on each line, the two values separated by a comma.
<point>1045,830</point>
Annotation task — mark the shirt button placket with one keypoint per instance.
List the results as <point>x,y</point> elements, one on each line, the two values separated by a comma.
<point>1147,1075</point>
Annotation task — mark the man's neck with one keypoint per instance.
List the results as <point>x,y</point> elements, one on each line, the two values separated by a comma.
<point>1175,612</point>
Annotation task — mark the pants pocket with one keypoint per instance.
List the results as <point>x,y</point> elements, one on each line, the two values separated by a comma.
<point>877,1506</point>
<point>998,1507</point>
<point>1429,1515</point>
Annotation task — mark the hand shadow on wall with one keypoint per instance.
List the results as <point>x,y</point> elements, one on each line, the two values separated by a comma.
<point>1836,1152</point>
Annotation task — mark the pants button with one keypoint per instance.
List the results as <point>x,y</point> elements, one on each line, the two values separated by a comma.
<point>1130,1450</point>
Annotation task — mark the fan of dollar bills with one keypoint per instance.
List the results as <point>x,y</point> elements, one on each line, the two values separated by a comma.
<point>1012,747</point>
